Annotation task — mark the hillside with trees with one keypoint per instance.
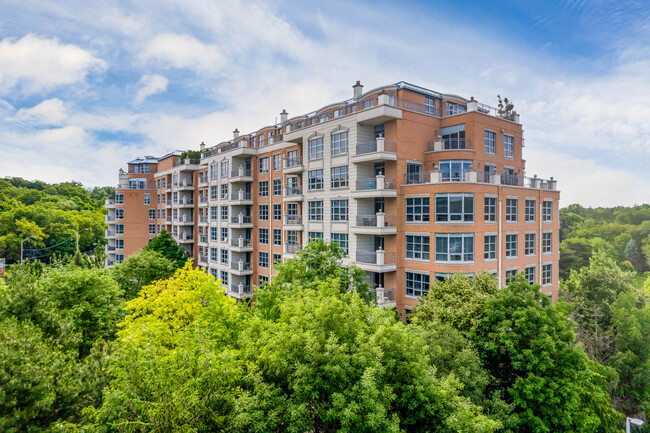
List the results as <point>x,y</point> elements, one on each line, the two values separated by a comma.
<point>47,218</point>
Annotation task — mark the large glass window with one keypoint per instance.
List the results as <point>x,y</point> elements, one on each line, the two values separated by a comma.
<point>453,137</point>
<point>277,212</point>
<point>455,207</point>
<point>529,244</point>
<point>339,143</point>
<point>264,212</point>
<point>454,170</point>
<point>224,168</point>
<point>454,108</point>
<point>490,209</point>
<point>529,273</point>
<point>315,236</point>
<point>264,260</point>
<point>264,236</point>
<point>214,192</point>
<point>224,213</point>
<point>529,213</point>
<point>339,210</point>
<point>508,146</point>
<point>264,188</point>
<point>277,237</point>
<point>489,142</point>
<point>264,165</point>
<point>277,165</point>
<point>277,187</point>
<point>414,173</point>
<point>315,210</point>
<point>547,242</point>
<point>417,247</point>
<point>315,148</point>
<point>547,274</point>
<point>511,209</point>
<point>342,240</point>
<point>429,106</point>
<point>490,247</point>
<point>340,177</point>
<point>416,284</point>
<point>417,209</point>
<point>511,245</point>
<point>119,198</point>
<point>547,211</point>
<point>455,247</point>
<point>315,179</point>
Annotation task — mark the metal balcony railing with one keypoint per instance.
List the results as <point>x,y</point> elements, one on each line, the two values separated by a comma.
<point>293,162</point>
<point>371,146</point>
<point>374,220</point>
<point>293,219</point>
<point>292,190</point>
<point>371,183</point>
<point>375,257</point>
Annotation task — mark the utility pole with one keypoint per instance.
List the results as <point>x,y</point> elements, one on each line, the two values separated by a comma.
<point>22,260</point>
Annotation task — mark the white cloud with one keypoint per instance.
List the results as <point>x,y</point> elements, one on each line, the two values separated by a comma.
<point>49,112</point>
<point>183,51</point>
<point>35,64</point>
<point>151,84</point>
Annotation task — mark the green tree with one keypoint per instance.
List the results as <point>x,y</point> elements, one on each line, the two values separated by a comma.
<point>141,269</point>
<point>165,244</point>
<point>632,254</point>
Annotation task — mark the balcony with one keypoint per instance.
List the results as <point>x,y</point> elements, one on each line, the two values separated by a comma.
<point>293,222</point>
<point>185,238</point>
<point>241,197</point>
<point>378,224</point>
<point>186,202</point>
<point>241,268</point>
<point>186,220</point>
<point>109,219</point>
<point>385,297</point>
<point>293,165</point>
<point>203,239</point>
<point>378,186</point>
<point>241,245</point>
<point>241,174</point>
<point>203,200</point>
<point>203,219</point>
<point>450,144</point>
<point>203,180</point>
<point>185,184</point>
<point>241,221</point>
<point>187,161</point>
<point>240,291</point>
<point>109,203</point>
<point>377,150</point>
<point>291,249</point>
<point>110,248</point>
<point>473,176</point>
<point>376,261</point>
<point>293,193</point>
<point>109,234</point>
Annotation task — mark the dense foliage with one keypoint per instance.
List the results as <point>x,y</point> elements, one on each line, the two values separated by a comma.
<point>48,217</point>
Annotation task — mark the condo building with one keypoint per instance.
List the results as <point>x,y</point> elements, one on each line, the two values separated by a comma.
<point>413,184</point>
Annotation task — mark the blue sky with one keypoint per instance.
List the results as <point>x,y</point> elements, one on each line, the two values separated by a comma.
<point>87,86</point>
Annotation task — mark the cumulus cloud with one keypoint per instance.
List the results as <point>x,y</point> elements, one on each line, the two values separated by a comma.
<point>49,112</point>
<point>34,64</point>
<point>151,84</point>
<point>183,51</point>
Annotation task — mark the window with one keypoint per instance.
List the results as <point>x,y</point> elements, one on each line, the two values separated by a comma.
<point>214,171</point>
<point>224,191</point>
<point>547,274</point>
<point>417,247</point>
<point>429,106</point>
<point>264,260</point>
<point>455,207</point>
<point>119,244</point>
<point>264,165</point>
<point>455,247</point>
<point>315,179</point>
<point>547,242</point>
<point>214,213</point>
<point>213,234</point>
<point>313,236</point>
<point>454,170</point>
<point>119,214</point>
<point>368,103</point>
<point>224,278</point>
<point>511,245</point>
<point>224,256</point>
<point>508,146</point>
<point>339,210</point>
<point>529,273</point>
<point>264,236</point>
<point>214,254</point>
<point>264,188</point>
<point>511,275</point>
<point>264,212</point>
<point>292,237</point>
<point>315,148</point>
<point>224,168</point>
<point>547,211</point>
<point>489,142</point>
<point>119,198</point>
<point>277,258</point>
<point>339,143</point>
<point>379,130</point>
<point>152,214</point>
<point>152,229</point>
<point>277,237</point>
<point>277,187</point>
<point>453,137</point>
<point>342,240</point>
<point>260,140</point>
<point>119,258</point>
<point>263,280</point>
<point>277,164</point>
<point>529,244</point>
<point>529,212</point>
<point>214,192</point>
<point>511,210</point>
<point>416,284</point>
<point>340,177</point>
<point>315,210</point>
<point>454,108</point>
<point>277,212</point>
<point>490,209</point>
<point>147,199</point>
<point>224,234</point>
<point>224,213</point>
<point>417,209</point>
<point>414,173</point>
<point>490,247</point>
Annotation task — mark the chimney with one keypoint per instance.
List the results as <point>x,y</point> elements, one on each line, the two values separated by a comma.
<point>202,146</point>
<point>235,133</point>
<point>358,89</point>
<point>284,116</point>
